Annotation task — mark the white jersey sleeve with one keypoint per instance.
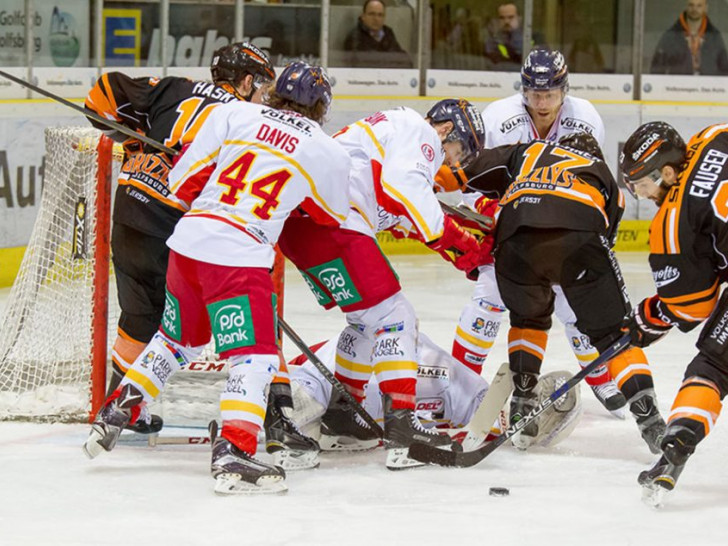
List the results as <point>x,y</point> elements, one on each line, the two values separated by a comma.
<point>246,170</point>
<point>507,121</point>
<point>396,154</point>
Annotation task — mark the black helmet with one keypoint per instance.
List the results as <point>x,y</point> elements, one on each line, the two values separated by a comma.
<point>651,147</point>
<point>467,123</point>
<point>234,61</point>
<point>584,142</point>
<point>544,69</point>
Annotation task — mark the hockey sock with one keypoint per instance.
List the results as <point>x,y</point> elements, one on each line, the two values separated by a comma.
<point>696,407</point>
<point>585,352</point>
<point>159,361</point>
<point>353,361</point>
<point>243,400</point>
<point>631,372</point>
<point>123,354</point>
<point>526,348</point>
<point>476,332</point>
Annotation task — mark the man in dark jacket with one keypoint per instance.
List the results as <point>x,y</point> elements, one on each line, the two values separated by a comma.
<point>692,45</point>
<point>372,43</point>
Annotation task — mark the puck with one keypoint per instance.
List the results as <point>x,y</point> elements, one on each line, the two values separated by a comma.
<point>499,492</point>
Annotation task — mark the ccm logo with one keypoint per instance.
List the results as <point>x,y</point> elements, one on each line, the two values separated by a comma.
<point>199,366</point>
<point>429,405</point>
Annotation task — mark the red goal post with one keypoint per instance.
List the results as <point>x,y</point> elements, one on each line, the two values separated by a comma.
<point>60,317</point>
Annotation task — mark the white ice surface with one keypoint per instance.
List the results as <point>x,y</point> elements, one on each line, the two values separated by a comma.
<point>583,491</point>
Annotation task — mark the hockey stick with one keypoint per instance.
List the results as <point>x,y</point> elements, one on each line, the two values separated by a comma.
<point>486,223</point>
<point>321,367</point>
<point>488,410</point>
<point>432,455</point>
<point>89,114</point>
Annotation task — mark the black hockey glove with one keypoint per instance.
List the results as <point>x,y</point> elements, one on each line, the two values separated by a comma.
<point>642,324</point>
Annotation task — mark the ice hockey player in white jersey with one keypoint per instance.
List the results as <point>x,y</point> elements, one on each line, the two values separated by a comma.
<point>248,169</point>
<point>395,155</point>
<point>543,110</point>
<point>448,395</point>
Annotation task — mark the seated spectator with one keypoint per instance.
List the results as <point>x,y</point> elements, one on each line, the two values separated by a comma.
<point>372,43</point>
<point>505,45</point>
<point>692,45</point>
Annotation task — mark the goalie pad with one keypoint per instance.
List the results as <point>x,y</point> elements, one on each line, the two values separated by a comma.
<point>559,421</point>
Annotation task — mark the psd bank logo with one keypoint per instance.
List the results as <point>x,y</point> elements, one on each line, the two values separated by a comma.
<point>335,278</point>
<point>122,37</point>
<point>232,323</point>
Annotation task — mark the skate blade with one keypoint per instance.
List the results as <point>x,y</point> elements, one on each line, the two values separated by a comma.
<point>653,495</point>
<point>294,459</point>
<point>619,413</point>
<point>346,443</point>
<point>231,484</point>
<point>398,459</point>
<point>92,447</point>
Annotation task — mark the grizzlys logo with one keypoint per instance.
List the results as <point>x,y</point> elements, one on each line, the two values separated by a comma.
<point>665,275</point>
<point>387,347</point>
<point>428,152</point>
<point>577,125</point>
<point>346,344</point>
<point>512,123</point>
<point>432,372</point>
<point>646,144</point>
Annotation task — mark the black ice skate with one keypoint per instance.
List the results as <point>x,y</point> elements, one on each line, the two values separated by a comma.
<point>611,398</point>
<point>237,473</point>
<point>291,448</point>
<point>520,407</point>
<point>659,480</point>
<point>649,421</point>
<point>343,430</point>
<point>110,421</point>
<point>402,429</point>
<point>146,424</point>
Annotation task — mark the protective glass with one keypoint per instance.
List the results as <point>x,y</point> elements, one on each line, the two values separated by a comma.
<point>544,99</point>
<point>632,185</point>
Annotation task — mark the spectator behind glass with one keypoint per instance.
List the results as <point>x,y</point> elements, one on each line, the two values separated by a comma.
<point>692,45</point>
<point>505,45</point>
<point>372,43</point>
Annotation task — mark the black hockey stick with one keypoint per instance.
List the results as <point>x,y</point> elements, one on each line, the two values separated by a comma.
<point>432,455</point>
<point>335,383</point>
<point>89,114</point>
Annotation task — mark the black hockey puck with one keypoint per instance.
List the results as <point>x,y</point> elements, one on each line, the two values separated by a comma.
<point>499,492</point>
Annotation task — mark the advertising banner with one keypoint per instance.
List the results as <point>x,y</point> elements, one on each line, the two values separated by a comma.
<point>60,33</point>
<point>684,88</point>
<point>374,81</point>
<point>474,83</point>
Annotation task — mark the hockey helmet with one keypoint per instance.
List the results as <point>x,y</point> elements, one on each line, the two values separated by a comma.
<point>544,69</point>
<point>304,84</point>
<point>233,61</point>
<point>468,128</point>
<point>652,146</point>
<point>584,142</point>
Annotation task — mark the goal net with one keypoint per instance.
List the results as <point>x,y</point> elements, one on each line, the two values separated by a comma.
<point>60,318</point>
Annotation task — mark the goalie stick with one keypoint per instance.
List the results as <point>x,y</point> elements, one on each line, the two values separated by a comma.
<point>287,329</point>
<point>488,410</point>
<point>321,367</point>
<point>89,114</point>
<point>464,459</point>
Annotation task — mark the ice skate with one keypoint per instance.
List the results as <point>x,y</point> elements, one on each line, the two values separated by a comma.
<point>658,481</point>
<point>291,448</point>
<point>237,473</point>
<point>402,429</point>
<point>342,429</point>
<point>649,421</point>
<point>110,421</point>
<point>520,407</point>
<point>611,398</point>
<point>147,423</point>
